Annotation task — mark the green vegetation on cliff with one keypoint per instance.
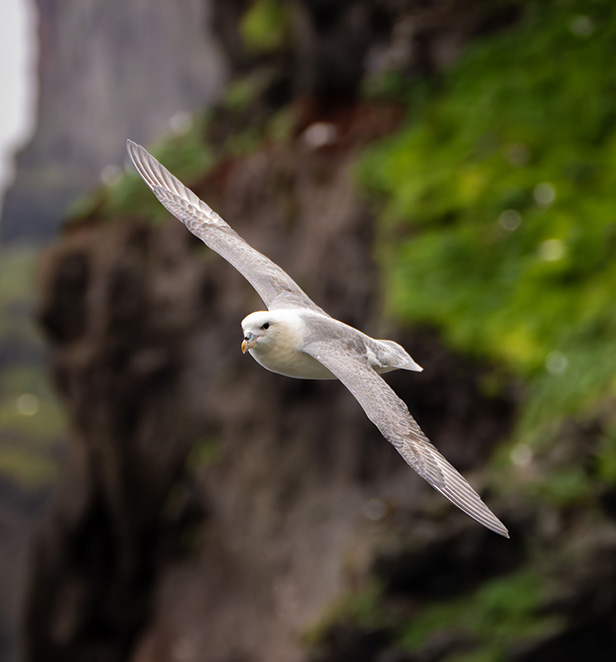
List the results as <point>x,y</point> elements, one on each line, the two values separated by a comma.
<point>499,206</point>
<point>31,420</point>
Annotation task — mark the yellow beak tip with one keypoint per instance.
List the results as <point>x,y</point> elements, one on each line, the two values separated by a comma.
<point>244,347</point>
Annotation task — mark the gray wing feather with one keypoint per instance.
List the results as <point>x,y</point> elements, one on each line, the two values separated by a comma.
<point>391,416</point>
<point>274,286</point>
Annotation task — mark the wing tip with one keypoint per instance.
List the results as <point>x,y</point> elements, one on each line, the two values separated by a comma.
<point>464,497</point>
<point>499,528</point>
<point>486,517</point>
<point>134,149</point>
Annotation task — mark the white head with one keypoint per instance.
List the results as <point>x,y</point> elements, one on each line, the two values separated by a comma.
<point>268,328</point>
<point>258,329</point>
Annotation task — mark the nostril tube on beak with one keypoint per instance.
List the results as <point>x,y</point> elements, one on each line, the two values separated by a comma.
<point>249,342</point>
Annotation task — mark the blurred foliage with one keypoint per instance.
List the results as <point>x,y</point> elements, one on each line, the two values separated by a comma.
<point>502,612</point>
<point>499,214</point>
<point>204,452</point>
<point>562,487</point>
<point>31,420</point>
<point>28,404</point>
<point>241,92</point>
<point>30,469</point>
<point>264,25</point>
<point>497,227</point>
<point>184,152</point>
<point>363,608</point>
<point>606,456</point>
<point>16,281</point>
<point>248,117</point>
<point>486,623</point>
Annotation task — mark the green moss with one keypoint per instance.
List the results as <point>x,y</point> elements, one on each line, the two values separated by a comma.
<point>264,25</point>
<point>498,222</point>
<point>183,153</point>
<point>501,612</point>
<point>17,266</point>
<point>31,470</point>
<point>606,456</point>
<point>28,408</point>
<point>16,273</point>
<point>487,654</point>
<point>563,487</point>
<point>203,452</point>
<point>363,608</point>
<point>30,417</point>
<point>242,106</point>
<point>280,127</point>
<point>21,378</point>
<point>423,626</point>
<point>242,92</point>
<point>243,142</point>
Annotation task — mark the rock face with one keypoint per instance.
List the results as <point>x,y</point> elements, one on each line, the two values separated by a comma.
<point>117,69</point>
<point>212,511</point>
<point>108,70</point>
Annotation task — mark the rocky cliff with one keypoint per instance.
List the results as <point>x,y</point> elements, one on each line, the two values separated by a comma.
<point>213,511</point>
<point>107,70</point>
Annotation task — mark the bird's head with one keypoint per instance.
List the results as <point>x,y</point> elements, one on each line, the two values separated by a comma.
<point>258,328</point>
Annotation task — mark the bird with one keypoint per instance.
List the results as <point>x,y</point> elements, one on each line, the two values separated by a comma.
<point>296,338</point>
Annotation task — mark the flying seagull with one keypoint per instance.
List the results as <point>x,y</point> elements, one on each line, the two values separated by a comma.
<point>296,338</point>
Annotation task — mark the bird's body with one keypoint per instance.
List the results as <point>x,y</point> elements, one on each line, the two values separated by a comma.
<point>289,331</point>
<point>297,338</point>
<point>280,349</point>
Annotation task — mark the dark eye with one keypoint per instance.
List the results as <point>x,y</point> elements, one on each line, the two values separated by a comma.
<point>265,326</point>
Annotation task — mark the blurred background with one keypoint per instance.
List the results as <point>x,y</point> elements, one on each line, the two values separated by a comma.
<point>440,173</point>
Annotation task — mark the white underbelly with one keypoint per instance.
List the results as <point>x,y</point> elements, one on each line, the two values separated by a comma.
<point>296,364</point>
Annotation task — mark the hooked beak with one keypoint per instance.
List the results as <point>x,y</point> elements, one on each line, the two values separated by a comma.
<point>249,342</point>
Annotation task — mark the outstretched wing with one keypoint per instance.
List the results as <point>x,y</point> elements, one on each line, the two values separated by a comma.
<point>391,416</point>
<point>274,286</point>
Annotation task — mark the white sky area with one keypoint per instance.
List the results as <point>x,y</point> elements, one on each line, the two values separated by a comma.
<point>17,81</point>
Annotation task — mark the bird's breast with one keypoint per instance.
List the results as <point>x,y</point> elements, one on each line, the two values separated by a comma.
<point>292,363</point>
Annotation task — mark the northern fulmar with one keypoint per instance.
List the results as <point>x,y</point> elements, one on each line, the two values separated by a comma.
<point>296,338</point>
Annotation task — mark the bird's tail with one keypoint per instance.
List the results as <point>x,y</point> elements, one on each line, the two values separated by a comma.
<point>398,357</point>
